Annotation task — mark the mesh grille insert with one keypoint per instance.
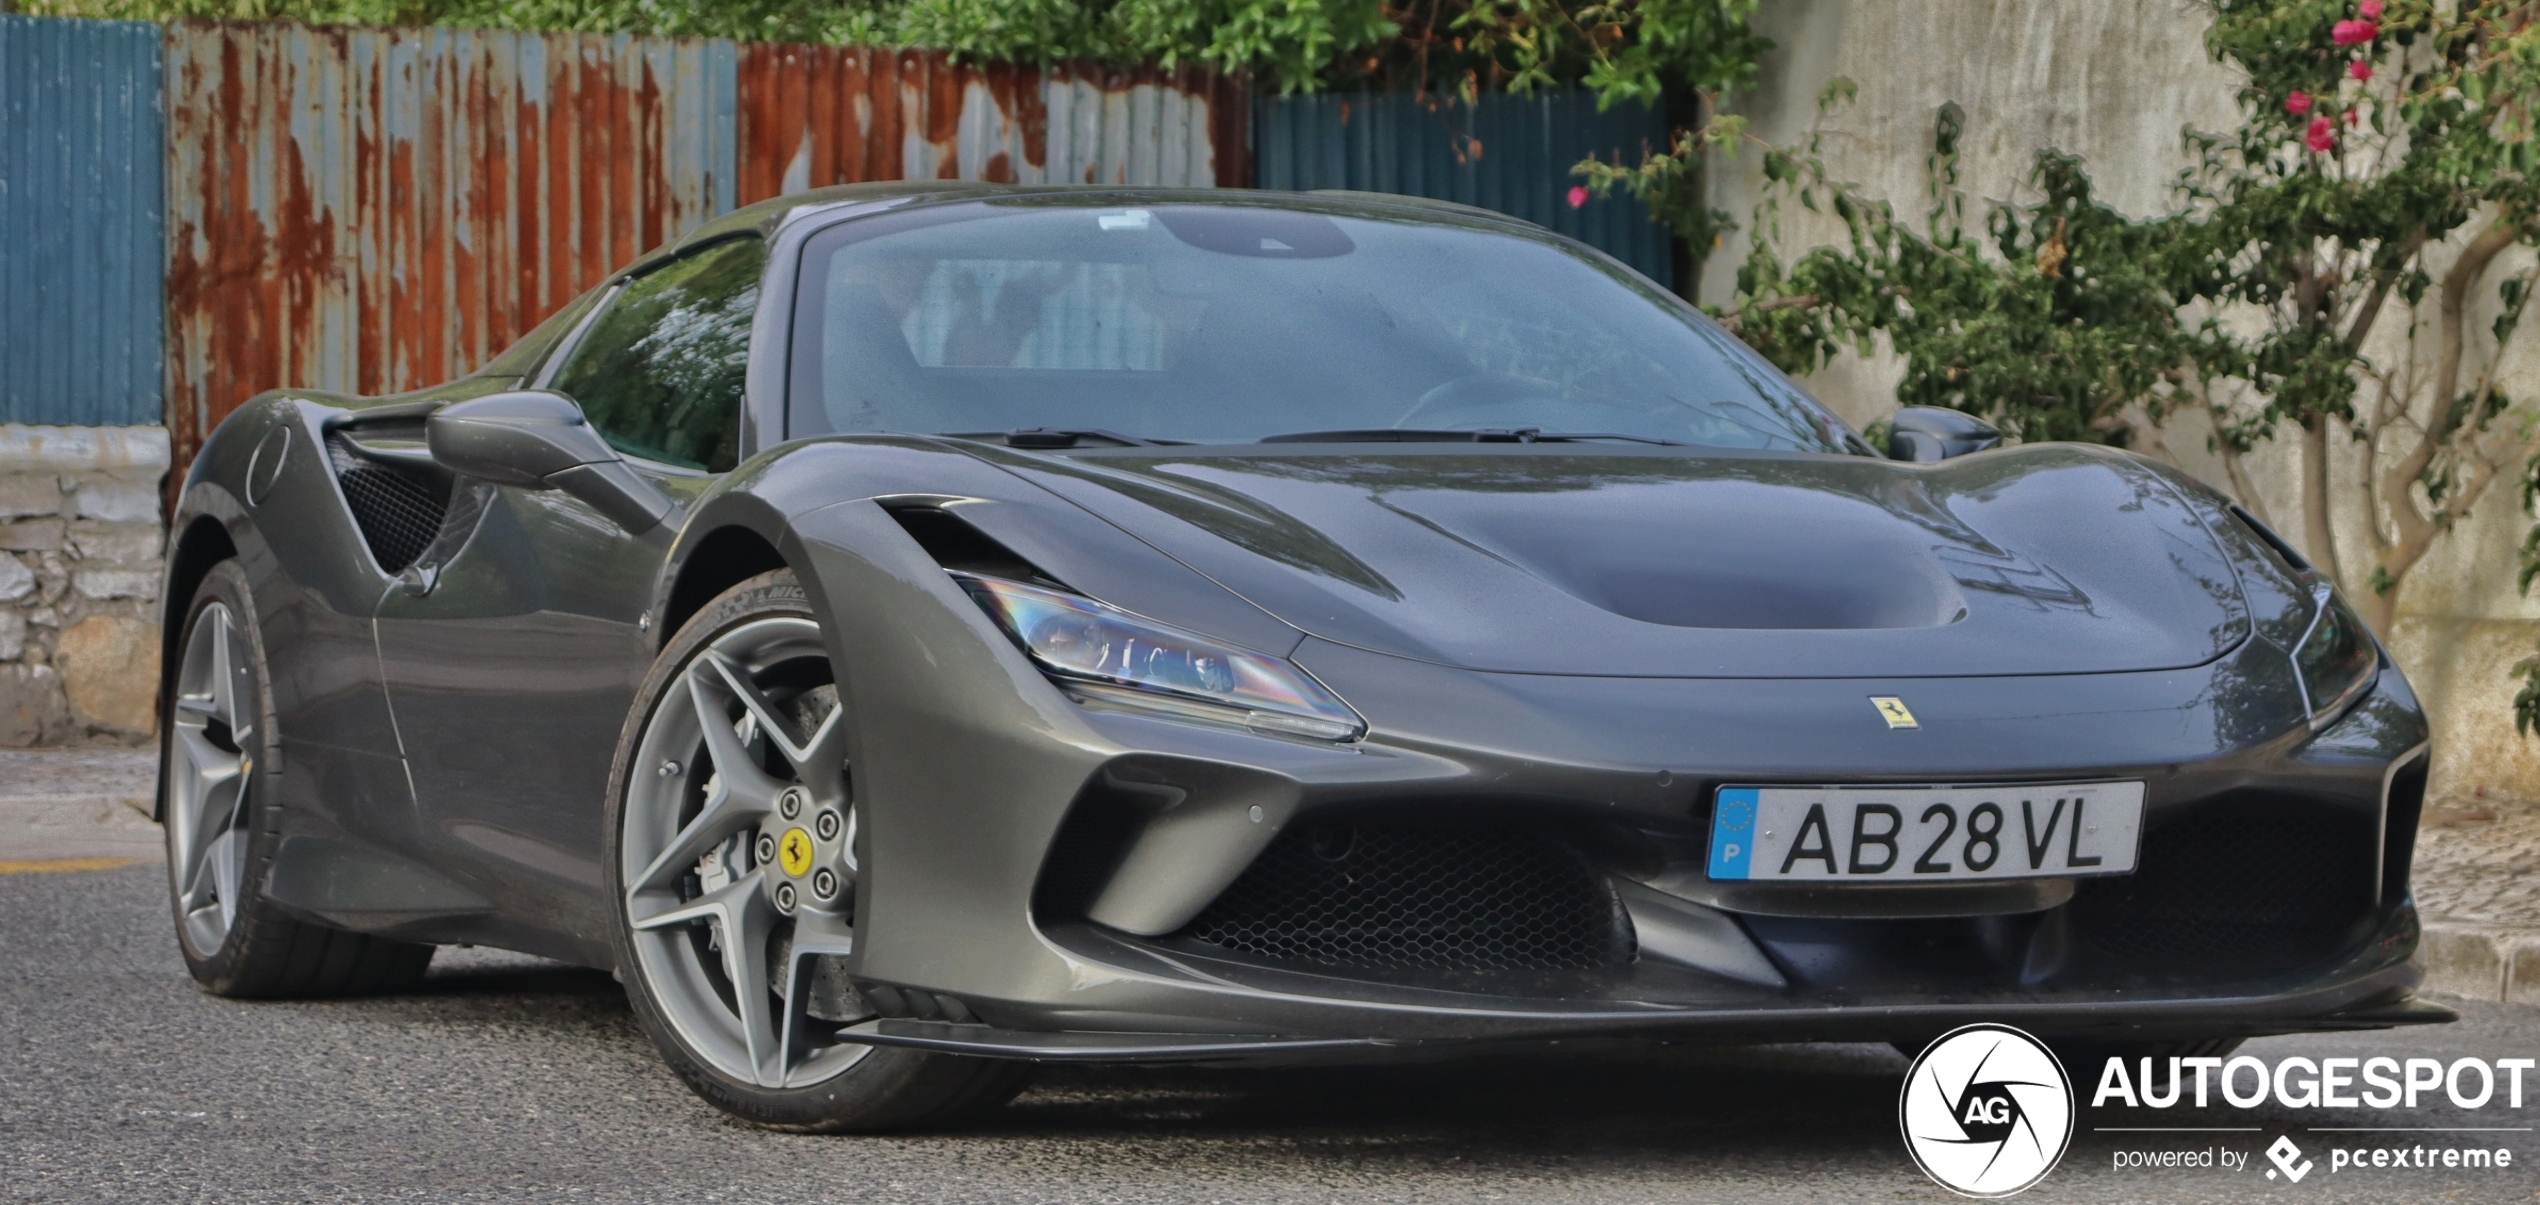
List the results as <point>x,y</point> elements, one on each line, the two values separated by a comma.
<point>2262,884</point>
<point>1434,899</point>
<point>399,509</point>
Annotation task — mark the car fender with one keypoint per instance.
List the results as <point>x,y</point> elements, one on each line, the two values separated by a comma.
<point>1070,544</point>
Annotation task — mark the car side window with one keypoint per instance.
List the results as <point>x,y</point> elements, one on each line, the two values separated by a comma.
<point>660,373</point>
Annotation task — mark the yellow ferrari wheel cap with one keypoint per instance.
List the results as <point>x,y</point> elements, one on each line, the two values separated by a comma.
<point>793,852</point>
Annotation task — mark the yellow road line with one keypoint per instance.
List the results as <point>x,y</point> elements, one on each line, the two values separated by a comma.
<point>67,865</point>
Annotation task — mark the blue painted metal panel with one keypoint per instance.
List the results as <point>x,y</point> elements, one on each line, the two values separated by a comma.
<point>81,194</point>
<point>1512,154</point>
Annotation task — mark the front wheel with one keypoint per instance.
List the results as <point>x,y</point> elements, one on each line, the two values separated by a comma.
<point>737,845</point>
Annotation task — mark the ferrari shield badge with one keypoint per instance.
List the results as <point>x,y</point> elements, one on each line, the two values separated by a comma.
<point>1892,709</point>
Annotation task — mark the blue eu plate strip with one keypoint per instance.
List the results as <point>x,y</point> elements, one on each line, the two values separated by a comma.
<point>1732,832</point>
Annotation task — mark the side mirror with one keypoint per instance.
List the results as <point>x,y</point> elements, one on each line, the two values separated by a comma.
<point>540,441</point>
<point>1924,434</point>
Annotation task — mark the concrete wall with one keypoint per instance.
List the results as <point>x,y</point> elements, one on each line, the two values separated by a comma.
<point>2115,82</point>
<point>80,546</point>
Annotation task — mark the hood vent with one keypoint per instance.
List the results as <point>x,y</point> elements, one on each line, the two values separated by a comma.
<point>959,547</point>
<point>1725,556</point>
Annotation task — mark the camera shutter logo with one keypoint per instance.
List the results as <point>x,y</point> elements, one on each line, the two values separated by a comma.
<point>1987,1111</point>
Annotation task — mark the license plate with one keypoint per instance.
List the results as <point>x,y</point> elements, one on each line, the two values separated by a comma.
<point>1933,834</point>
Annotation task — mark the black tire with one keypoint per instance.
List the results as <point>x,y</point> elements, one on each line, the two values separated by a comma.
<point>265,954</point>
<point>888,1089</point>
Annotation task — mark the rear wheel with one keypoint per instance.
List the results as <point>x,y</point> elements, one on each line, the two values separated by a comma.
<point>222,825</point>
<point>737,848</point>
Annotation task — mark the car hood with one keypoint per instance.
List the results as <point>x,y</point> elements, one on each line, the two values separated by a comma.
<point>1564,559</point>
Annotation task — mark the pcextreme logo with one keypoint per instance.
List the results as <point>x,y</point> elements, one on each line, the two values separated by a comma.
<point>2288,1159</point>
<point>1986,1111</point>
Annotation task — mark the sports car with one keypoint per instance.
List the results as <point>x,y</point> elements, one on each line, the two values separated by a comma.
<point>911,633</point>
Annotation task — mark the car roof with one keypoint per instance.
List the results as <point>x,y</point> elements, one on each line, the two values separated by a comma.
<point>767,217</point>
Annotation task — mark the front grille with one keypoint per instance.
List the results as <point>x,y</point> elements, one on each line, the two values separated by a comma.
<point>398,509</point>
<point>1419,898</point>
<point>2253,884</point>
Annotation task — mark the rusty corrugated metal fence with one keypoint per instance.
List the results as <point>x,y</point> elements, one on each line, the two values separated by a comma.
<point>369,211</point>
<point>79,222</point>
<point>813,116</point>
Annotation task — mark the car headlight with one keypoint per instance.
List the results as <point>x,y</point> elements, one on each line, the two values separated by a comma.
<point>2335,659</point>
<point>1105,653</point>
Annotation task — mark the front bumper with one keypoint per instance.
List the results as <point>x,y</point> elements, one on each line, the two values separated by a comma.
<point>1036,862</point>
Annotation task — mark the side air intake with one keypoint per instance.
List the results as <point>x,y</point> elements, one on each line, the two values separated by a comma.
<point>398,507</point>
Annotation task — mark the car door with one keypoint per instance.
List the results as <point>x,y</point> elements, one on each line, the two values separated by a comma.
<point>510,664</point>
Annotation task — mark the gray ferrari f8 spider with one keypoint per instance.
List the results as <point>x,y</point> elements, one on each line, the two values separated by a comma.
<point>912,633</point>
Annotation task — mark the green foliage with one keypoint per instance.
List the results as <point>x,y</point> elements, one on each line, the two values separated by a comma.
<point>2310,224</point>
<point>2384,159</point>
<point>1289,42</point>
<point>2051,319</point>
<point>1626,50</point>
<point>1687,54</point>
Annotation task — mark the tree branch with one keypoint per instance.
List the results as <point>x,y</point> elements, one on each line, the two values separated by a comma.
<point>2396,485</point>
<point>2370,311</point>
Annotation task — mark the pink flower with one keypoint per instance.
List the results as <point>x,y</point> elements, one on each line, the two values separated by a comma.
<point>2359,69</point>
<point>2370,10</point>
<point>1579,197</point>
<point>2323,135</point>
<point>2351,115</point>
<point>2354,33</point>
<point>2298,103</point>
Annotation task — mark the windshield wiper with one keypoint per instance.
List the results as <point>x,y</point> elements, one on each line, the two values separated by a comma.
<point>1059,437</point>
<point>1563,437</point>
<point>1489,435</point>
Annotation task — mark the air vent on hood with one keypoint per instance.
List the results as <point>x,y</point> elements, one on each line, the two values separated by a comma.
<point>958,546</point>
<point>1721,555</point>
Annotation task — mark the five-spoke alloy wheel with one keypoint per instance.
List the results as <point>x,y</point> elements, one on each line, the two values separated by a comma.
<point>209,735</point>
<point>738,852</point>
<point>738,845</point>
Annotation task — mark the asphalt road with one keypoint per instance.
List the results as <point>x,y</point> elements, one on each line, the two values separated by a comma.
<point>513,1079</point>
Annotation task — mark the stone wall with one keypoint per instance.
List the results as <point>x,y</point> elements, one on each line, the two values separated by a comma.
<point>80,543</point>
<point>2115,82</point>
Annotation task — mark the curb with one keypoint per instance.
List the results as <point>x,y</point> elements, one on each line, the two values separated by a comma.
<point>78,804</point>
<point>2482,962</point>
<point>35,828</point>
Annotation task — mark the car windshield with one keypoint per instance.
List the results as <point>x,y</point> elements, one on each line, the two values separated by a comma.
<point>1217,322</point>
